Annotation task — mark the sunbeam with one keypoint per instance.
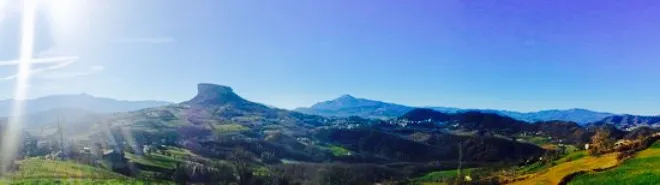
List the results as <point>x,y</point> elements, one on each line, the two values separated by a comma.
<point>12,133</point>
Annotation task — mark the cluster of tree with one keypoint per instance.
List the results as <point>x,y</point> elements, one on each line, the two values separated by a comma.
<point>605,137</point>
<point>423,114</point>
<point>271,150</point>
<point>470,120</point>
<point>566,131</point>
<point>440,146</point>
<point>641,144</point>
<point>336,173</point>
<point>601,142</point>
<point>640,133</point>
<point>376,143</point>
<point>629,121</point>
<point>641,138</point>
<point>242,169</point>
<point>491,122</point>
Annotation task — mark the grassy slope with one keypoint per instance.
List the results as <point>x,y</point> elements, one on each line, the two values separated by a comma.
<point>339,151</point>
<point>572,157</point>
<point>39,171</point>
<point>440,177</point>
<point>642,169</point>
<point>225,128</point>
<point>178,153</point>
<point>539,167</point>
<point>555,174</point>
<point>154,160</point>
<point>78,182</point>
<point>38,168</point>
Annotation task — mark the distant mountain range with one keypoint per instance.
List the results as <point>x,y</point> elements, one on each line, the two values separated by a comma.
<point>582,116</point>
<point>79,108</point>
<point>563,131</point>
<point>80,101</point>
<point>469,120</point>
<point>347,105</point>
<point>216,120</point>
<point>630,122</point>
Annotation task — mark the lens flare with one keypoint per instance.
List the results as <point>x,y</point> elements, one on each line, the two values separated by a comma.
<point>13,130</point>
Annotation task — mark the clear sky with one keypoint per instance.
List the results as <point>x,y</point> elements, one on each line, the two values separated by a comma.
<point>516,55</point>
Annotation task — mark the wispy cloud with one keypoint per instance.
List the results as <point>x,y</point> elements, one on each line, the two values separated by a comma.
<point>144,40</point>
<point>57,63</point>
<point>40,60</point>
<point>56,75</point>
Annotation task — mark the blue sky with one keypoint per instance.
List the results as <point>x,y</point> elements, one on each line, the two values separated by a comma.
<point>515,55</point>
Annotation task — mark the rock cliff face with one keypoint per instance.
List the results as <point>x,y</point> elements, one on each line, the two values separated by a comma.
<point>212,94</point>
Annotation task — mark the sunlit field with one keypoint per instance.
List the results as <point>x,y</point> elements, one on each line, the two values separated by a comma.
<point>641,169</point>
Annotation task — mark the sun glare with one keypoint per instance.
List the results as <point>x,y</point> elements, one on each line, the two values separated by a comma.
<point>59,11</point>
<point>68,21</point>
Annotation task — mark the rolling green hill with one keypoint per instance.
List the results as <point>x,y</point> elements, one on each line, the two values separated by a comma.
<point>40,171</point>
<point>39,168</point>
<point>641,169</point>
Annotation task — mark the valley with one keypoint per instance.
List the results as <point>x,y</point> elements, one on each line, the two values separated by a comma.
<point>218,137</point>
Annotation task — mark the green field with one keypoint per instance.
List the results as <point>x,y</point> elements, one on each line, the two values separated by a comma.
<point>79,182</point>
<point>225,128</point>
<point>441,177</point>
<point>40,171</point>
<point>572,157</point>
<point>49,169</point>
<point>154,160</point>
<point>555,174</point>
<point>537,140</point>
<point>178,153</point>
<point>339,151</point>
<point>538,167</point>
<point>641,169</point>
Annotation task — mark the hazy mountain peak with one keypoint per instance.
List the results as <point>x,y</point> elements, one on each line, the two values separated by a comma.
<point>215,94</point>
<point>578,115</point>
<point>346,97</point>
<point>347,105</point>
<point>566,110</point>
<point>80,101</point>
<point>86,95</point>
<point>344,101</point>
